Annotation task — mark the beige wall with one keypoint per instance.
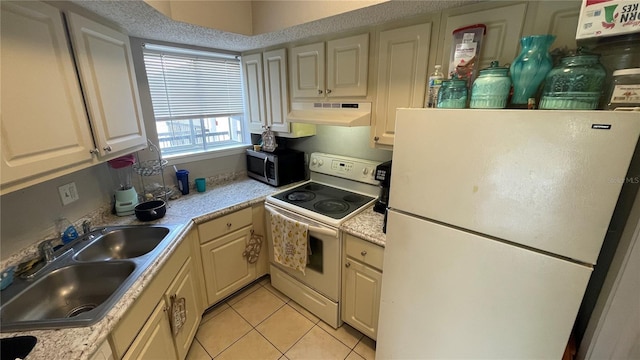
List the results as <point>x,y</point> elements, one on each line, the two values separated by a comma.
<point>254,17</point>
<point>270,16</point>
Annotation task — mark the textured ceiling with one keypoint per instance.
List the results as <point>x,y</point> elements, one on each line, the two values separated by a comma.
<point>143,21</point>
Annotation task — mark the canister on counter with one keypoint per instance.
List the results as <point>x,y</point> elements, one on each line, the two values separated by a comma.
<point>625,90</point>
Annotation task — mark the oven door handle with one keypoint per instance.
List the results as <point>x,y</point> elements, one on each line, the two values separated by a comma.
<point>316,229</point>
<point>323,231</point>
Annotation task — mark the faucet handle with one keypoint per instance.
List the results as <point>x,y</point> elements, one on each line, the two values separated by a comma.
<point>46,250</point>
<point>86,227</point>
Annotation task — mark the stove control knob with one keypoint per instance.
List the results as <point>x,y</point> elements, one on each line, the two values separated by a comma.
<point>365,171</point>
<point>314,161</point>
<point>320,162</point>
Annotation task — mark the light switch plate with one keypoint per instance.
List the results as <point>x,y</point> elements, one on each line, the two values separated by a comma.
<point>68,193</point>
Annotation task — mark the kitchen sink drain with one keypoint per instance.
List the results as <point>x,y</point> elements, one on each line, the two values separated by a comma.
<point>80,309</point>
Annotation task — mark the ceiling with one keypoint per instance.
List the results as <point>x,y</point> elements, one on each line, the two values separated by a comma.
<point>141,20</point>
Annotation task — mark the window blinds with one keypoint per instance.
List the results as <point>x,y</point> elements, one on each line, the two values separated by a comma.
<point>188,86</point>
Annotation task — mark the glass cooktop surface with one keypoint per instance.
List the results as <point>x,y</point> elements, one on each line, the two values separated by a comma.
<point>325,200</point>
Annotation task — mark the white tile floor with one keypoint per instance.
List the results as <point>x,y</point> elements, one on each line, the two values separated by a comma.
<point>262,323</point>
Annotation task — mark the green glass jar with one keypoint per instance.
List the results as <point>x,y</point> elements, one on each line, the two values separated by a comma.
<point>491,88</point>
<point>576,83</point>
<point>453,94</point>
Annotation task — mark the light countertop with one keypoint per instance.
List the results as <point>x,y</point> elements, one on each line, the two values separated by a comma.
<point>366,225</point>
<point>221,198</point>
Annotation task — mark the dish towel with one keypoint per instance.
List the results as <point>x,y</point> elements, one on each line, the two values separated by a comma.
<point>289,242</point>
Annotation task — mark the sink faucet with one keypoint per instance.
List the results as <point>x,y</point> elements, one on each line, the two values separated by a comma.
<point>86,227</point>
<point>46,251</point>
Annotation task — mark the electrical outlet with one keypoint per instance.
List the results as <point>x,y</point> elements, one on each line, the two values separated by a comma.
<point>68,193</point>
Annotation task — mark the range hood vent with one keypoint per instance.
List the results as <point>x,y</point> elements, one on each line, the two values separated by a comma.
<point>331,113</point>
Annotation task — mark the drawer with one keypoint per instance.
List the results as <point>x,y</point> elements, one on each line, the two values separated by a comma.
<point>364,251</point>
<point>224,225</point>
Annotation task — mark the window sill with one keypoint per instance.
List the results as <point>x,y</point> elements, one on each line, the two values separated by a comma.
<point>211,154</point>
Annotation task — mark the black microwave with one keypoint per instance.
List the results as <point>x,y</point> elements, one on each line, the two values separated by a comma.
<point>278,168</point>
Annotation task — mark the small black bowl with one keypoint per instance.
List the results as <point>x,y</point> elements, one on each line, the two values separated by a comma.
<point>151,210</point>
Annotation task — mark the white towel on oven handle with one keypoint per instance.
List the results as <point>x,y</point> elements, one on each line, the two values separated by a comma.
<point>290,241</point>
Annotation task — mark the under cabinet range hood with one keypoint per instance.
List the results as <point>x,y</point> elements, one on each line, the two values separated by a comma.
<point>331,113</point>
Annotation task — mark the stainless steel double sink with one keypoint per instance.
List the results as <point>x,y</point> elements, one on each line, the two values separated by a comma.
<point>86,279</point>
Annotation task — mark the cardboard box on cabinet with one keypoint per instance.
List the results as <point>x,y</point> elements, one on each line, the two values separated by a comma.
<point>607,18</point>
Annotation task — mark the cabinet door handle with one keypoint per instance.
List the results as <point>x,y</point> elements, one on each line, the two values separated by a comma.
<point>320,92</point>
<point>347,264</point>
<point>328,91</point>
<point>94,151</point>
<point>363,252</point>
<point>376,138</point>
<point>107,148</point>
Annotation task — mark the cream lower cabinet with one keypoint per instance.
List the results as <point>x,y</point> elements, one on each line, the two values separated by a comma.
<point>103,353</point>
<point>361,285</point>
<point>146,331</point>
<point>222,243</point>
<point>154,340</point>
<point>402,74</point>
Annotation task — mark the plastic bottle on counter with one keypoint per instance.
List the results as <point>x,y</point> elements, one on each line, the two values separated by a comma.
<point>433,86</point>
<point>66,230</point>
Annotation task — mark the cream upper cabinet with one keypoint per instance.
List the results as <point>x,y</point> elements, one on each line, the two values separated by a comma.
<point>342,73</point>
<point>109,82</point>
<point>266,95</point>
<point>402,76</point>
<point>275,89</point>
<point>504,30</point>
<point>347,66</point>
<point>254,92</point>
<point>307,71</point>
<point>45,132</point>
<point>559,18</point>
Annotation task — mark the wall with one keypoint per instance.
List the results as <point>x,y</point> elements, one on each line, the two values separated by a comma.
<point>29,215</point>
<point>343,141</point>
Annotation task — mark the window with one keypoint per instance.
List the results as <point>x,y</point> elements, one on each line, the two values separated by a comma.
<point>197,99</point>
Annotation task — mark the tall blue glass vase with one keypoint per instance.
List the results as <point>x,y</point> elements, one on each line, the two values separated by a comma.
<point>531,66</point>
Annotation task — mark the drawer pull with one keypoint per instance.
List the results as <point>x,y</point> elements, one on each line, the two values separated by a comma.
<point>229,225</point>
<point>347,264</point>
<point>363,252</point>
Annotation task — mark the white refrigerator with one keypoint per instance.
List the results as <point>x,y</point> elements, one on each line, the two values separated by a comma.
<point>496,220</point>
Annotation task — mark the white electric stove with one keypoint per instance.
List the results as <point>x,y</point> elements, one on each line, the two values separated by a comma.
<point>340,187</point>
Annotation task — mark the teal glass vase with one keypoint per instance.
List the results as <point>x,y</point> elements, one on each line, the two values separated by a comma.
<point>530,67</point>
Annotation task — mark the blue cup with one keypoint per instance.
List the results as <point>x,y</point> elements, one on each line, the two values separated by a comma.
<point>183,181</point>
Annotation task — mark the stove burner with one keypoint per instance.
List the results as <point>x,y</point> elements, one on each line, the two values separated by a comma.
<point>331,206</point>
<point>301,196</point>
<point>313,187</point>
<point>353,198</point>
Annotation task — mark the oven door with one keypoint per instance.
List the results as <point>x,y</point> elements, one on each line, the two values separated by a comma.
<point>322,272</point>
